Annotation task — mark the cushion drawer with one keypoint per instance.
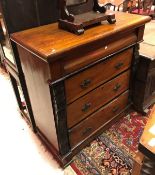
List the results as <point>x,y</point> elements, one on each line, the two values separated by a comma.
<point>97,120</point>
<point>85,81</point>
<point>96,98</point>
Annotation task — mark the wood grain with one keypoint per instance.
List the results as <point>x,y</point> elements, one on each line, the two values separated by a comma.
<point>96,98</point>
<point>97,75</point>
<point>37,74</point>
<point>75,60</point>
<point>98,119</point>
<point>49,41</point>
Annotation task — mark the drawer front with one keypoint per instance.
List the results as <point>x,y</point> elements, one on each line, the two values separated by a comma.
<point>76,60</point>
<point>84,106</point>
<point>97,120</point>
<point>87,80</point>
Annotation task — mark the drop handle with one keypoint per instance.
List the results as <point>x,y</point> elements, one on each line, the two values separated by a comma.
<point>119,65</point>
<point>86,131</point>
<point>117,87</point>
<point>115,109</point>
<point>86,107</point>
<point>85,83</point>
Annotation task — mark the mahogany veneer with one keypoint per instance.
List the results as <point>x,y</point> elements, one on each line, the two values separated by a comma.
<point>79,85</point>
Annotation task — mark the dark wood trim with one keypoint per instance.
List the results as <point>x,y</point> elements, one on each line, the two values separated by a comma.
<point>135,69</point>
<point>59,104</point>
<point>15,83</point>
<point>24,87</point>
<point>27,100</point>
<point>16,91</point>
<point>134,66</point>
<point>136,57</point>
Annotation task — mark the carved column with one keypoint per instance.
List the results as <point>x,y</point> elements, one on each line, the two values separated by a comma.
<point>59,105</point>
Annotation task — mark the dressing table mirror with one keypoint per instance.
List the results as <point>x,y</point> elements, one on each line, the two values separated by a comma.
<point>76,15</point>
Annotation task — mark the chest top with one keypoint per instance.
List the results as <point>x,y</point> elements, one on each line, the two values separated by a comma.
<point>49,42</point>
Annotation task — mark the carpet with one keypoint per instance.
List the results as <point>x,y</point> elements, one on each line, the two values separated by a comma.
<point>112,153</point>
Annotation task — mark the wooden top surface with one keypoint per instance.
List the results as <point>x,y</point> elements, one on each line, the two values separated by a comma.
<point>48,41</point>
<point>148,137</point>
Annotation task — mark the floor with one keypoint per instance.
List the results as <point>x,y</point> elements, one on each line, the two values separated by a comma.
<point>21,152</point>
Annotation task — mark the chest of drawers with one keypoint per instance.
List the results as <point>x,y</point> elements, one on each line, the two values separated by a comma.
<point>78,85</point>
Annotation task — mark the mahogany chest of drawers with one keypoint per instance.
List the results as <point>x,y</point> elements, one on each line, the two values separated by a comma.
<point>78,85</point>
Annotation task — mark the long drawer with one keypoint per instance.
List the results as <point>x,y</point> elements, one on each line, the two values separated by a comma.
<point>77,60</point>
<point>89,79</point>
<point>97,120</point>
<point>84,106</point>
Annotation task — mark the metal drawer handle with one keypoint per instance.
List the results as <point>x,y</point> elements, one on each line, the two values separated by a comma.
<point>85,83</point>
<point>119,65</point>
<point>116,88</point>
<point>115,109</point>
<point>86,107</point>
<point>86,131</point>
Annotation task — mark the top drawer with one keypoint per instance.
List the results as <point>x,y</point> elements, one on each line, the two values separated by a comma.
<point>87,80</point>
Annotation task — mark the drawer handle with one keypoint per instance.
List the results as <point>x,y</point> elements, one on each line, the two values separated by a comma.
<point>85,83</point>
<point>86,107</point>
<point>116,88</point>
<point>115,109</point>
<point>119,65</point>
<point>86,131</point>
